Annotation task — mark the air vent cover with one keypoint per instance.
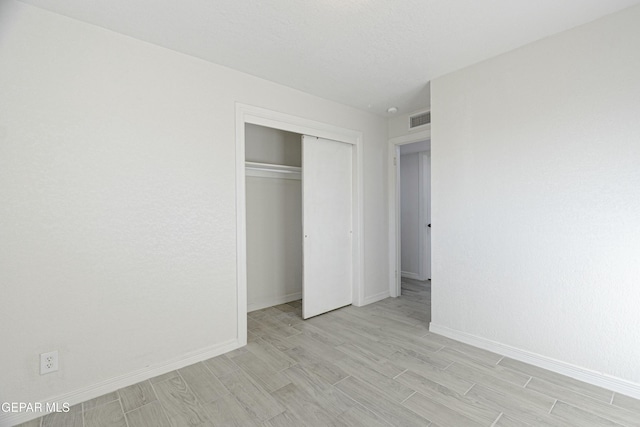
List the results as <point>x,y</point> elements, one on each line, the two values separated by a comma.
<point>420,120</point>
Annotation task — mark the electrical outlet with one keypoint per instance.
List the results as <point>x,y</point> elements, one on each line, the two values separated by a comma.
<point>48,362</point>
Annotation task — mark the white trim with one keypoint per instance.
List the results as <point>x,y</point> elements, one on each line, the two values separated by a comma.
<point>266,170</point>
<point>276,120</point>
<point>273,119</point>
<point>413,276</point>
<point>271,301</point>
<point>395,258</point>
<point>375,298</point>
<point>608,382</point>
<point>241,230</point>
<point>422,234</point>
<point>394,205</point>
<point>425,194</point>
<point>116,383</point>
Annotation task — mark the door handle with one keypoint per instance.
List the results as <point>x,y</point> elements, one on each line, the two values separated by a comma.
<point>429,225</point>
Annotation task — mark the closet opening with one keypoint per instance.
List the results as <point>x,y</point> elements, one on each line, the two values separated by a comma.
<point>299,201</point>
<point>298,216</point>
<point>273,160</point>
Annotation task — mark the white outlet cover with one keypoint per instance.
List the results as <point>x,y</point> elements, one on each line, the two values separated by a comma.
<point>48,362</point>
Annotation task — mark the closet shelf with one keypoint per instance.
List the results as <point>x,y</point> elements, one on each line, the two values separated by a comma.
<point>267,170</point>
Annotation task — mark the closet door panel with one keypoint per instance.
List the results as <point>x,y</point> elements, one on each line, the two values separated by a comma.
<point>327,225</point>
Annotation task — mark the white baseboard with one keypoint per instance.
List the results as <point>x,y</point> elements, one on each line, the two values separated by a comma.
<point>270,302</point>
<point>408,275</point>
<point>599,379</point>
<point>375,298</point>
<point>113,384</point>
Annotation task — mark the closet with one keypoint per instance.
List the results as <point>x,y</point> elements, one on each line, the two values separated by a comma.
<point>299,220</point>
<point>274,216</point>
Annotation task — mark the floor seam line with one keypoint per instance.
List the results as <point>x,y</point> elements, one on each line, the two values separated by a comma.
<point>400,374</point>
<point>408,397</point>
<point>497,419</point>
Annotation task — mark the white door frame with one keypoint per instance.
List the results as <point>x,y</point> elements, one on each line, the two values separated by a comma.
<point>273,119</point>
<point>425,214</point>
<point>394,205</point>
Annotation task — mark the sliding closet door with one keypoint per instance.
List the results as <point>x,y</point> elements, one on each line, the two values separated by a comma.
<point>327,225</point>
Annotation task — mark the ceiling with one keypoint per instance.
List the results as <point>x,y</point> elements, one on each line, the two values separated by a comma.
<point>370,54</point>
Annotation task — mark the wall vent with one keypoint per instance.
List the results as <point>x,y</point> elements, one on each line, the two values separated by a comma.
<point>421,119</point>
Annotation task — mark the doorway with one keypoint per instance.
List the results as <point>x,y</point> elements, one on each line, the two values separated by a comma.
<point>258,116</point>
<point>298,213</point>
<point>415,233</point>
<point>395,213</point>
<point>415,188</point>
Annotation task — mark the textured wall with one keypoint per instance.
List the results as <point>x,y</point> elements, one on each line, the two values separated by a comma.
<point>536,197</point>
<point>117,200</point>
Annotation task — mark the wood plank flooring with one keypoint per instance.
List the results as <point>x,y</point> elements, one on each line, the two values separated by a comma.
<point>371,366</point>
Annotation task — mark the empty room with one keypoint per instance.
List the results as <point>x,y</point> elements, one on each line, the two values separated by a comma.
<point>329,213</point>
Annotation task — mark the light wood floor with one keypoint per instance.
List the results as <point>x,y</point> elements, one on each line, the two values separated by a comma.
<point>372,366</point>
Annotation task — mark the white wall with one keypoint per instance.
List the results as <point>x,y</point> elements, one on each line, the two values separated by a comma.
<point>399,125</point>
<point>410,215</point>
<point>117,200</point>
<point>274,220</point>
<point>274,146</point>
<point>536,198</point>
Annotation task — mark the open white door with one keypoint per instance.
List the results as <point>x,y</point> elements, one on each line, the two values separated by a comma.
<point>327,225</point>
<point>425,191</point>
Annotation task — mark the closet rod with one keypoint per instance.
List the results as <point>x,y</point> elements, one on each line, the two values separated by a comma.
<point>267,170</point>
<point>268,167</point>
